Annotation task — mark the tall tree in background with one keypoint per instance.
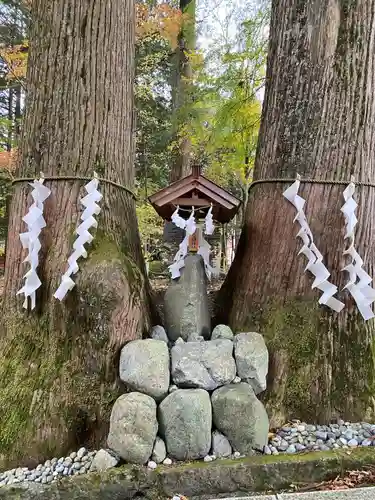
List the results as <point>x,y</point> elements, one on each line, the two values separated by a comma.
<point>318,120</point>
<point>182,91</point>
<point>58,364</point>
<point>14,18</point>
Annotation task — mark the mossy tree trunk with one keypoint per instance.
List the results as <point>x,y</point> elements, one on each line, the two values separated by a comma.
<point>318,120</point>
<point>181,89</point>
<point>59,364</point>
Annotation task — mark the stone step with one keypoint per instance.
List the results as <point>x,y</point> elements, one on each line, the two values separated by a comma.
<point>353,494</point>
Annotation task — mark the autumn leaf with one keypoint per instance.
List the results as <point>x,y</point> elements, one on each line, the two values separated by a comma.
<point>162,19</point>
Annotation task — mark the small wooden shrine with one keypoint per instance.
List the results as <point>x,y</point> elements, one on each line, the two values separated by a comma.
<point>196,191</point>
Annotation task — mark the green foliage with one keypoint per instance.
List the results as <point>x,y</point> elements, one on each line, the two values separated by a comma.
<point>153,112</point>
<point>226,113</point>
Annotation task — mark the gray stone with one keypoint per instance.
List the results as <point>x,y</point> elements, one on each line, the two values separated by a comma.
<point>324,447</point>
<point>159,452</point>
<point>251,356</point>
<point>353,443</point>
<point>196,338</point>
<point>158,333</point>
<point>133,427</point>
<point>186,302</point>
<point>283,445</point>
<point>185,419</point>
<point>205,365</point>
<point>222,332</point>
<point>321,435</point>
<point>81,453</point>
<point>104,459</point>
<point>240,416</point>
<point>221,446</point>
<point>348,435</point>
<point>144,367</point>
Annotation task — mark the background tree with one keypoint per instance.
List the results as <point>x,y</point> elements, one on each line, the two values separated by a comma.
<point>182,90</point>
<point>318,120</point>
<point>14,18</point>
<point>58,364</point>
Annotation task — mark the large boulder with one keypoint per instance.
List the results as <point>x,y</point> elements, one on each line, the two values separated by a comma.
<point>240,416</point>
<point>186,302</point>
<point>185,419</point>
<point>207,365</point>
<point>251,356</point>
<point>144,367</point>
<point>133,427</point>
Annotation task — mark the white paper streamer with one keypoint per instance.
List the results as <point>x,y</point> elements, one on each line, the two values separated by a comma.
<point>209,223</point>
<point>315,259</point>
<point>205,251</point>
<point>179,258</point>
<point>359,280</point>
<point>30,240</point>
<point>178,220</point>
<point>88,221</point>
<point>191,226</point>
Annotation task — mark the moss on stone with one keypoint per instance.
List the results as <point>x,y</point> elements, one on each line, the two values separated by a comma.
<point>252,474</point>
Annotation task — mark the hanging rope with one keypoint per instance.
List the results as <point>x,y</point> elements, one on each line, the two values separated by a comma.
<point>77,178</point>
<point>308,181</point>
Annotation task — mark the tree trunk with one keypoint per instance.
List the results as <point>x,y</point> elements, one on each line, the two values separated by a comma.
<point>17,112</point>
<point>10,119</point>
<point>59,365</point>
<point>318,120</point>
<point>181,84</point>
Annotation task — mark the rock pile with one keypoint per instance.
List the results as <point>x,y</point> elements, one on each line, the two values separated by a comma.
<point>190,399</point>
<point>79,462</point>
<point>301,437</point>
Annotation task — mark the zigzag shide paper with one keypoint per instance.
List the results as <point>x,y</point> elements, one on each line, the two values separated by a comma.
<point>84,237</point>
<point>30,240</point>
<point>315,259</point>
<point>359,280</point>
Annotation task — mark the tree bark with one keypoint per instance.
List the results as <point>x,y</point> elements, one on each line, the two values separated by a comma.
<point>10,119</point>
<point>318,120</point>
<point>181,84</point>
<point>59,364</point>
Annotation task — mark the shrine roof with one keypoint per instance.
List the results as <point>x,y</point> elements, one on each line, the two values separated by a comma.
<point>198,191</point>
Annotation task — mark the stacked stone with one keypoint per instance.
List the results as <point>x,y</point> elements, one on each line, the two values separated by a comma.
<point>76,463</point>
<point>300,437</point>
<point>191,399</point>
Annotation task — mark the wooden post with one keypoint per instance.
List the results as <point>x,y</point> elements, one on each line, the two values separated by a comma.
<point>193,243</point>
